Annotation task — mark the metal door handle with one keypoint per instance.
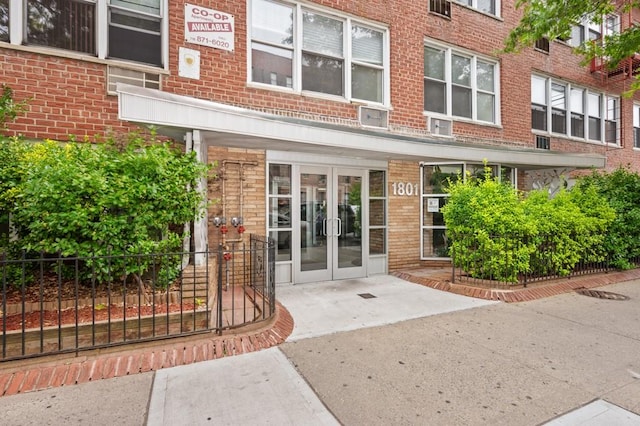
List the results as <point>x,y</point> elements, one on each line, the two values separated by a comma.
<point>339,227</point>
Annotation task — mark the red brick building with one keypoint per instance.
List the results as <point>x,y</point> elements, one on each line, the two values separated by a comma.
<point>333,123</point>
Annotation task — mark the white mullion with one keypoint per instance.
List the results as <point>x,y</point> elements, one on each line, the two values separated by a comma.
<point>17,21</point>
<point>474,88</point>
<point>297,48</point>
<point>102,28</point>
<point>448,82</point>
<point>347,57</point>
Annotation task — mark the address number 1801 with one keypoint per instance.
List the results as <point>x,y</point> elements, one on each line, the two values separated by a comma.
<point>404,189</point>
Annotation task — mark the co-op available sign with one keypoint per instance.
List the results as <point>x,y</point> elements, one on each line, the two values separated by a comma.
<point>208,27</point>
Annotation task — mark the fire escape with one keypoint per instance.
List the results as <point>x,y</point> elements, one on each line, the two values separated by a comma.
<point>622,72</point>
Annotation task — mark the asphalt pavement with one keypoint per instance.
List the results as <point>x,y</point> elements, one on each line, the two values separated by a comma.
<point>384,351</point>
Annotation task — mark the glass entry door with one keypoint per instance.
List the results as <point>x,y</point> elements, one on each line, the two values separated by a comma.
<point>329,224</point>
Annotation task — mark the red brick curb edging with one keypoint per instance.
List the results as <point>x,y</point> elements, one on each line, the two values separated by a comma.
<point>15,378</point>
<point>552,288</point>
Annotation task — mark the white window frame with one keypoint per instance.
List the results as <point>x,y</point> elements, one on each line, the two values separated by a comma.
<point>587,27</point>
<point>604,114</point>
<point>448,51</point>
<point>636,126</point>
<point>498,170</point>
<point>296,48</point>
<point>473,4</point>
<point>18,33</point>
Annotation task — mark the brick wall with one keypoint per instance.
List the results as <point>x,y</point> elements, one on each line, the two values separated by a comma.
<point>238,189</point>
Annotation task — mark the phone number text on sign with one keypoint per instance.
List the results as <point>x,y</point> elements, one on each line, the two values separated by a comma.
<point>208,27</point>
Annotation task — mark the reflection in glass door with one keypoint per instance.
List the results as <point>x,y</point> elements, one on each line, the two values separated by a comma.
<point>329,224</point>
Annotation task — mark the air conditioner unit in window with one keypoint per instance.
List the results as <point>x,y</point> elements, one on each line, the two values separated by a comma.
<point>373,117</point>
<point>543,142</point>
<point>440,126</point>
<point>117,75</point>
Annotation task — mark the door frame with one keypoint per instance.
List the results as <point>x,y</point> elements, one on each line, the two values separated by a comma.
<point>333,226</point>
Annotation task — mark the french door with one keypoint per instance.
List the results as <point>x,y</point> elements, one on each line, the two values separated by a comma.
<point>328,225</point>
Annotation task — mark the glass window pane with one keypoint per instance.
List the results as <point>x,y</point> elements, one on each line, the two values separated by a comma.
<point>594,129</point>
<point>538,90</point>
<point>322,34</point>
<point>486,107</point>
<point>366,83</point>
<point>461,70</point>
<point>612,109</point>
<point>366,45</point>
<point>636,116</point>
<point>434,63</point>
<point>558,96</point>
<point>377,213</point>
<point>594,105</point>
<point>280,212</point>
<point>435,96</point>
<point>577,125</point>
<point>461,101</point>
<point>64,24</point>
<point>538,117</point>
<point>435,177</point>
<point>558,121</point>
<point>577,35</point>
<point>267,61</point>
<point>322,74</point>
<point>279,179</point>
<point>377,183</point>
<point>577,100</point>
<point>151,7</point>
<point>484,76</point>
<point>434,243</point>
<point>4,20</point>
<point>488,6</point>
<point>430,216</point>
<point>272,22</point>
<point>377,241</point>
<point>283,245</point>
<point>130,44</point>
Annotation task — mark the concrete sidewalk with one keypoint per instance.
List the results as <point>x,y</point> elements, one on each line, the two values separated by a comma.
<point>268,387</point>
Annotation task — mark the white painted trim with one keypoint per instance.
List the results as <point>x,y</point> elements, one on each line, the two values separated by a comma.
<point>315,159</point>
<point>163,109</point>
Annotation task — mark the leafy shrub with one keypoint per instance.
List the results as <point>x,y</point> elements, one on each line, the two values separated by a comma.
<point>498,234</point>
<point>96,201</point>
<point>621,189</point>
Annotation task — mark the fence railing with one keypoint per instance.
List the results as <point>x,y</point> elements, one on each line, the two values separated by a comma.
<point>508,260</point>
<point>54,304</point>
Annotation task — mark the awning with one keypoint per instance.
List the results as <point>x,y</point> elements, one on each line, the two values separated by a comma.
<point>224,125</point>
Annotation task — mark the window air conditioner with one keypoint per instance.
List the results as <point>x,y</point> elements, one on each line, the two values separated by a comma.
<point>440,126</point>
<point>373,117</point>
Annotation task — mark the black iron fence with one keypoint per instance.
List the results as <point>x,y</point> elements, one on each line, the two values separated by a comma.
<point>54,304</point>
<point>507,260</point>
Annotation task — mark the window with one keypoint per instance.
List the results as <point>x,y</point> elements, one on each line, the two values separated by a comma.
<point>542,44</point>
<point>636,126</point>
<point>440,7</point>
<point>63,24</point>
<point>538,103</point>
<point>594,108</point>
<point>589,31</point>
<point>561,108</point>
<point>4,20</point>
<point>280,226</point>
<point>558,108</point>
<point>434,179</point>
<point>135,30</point>
<point>577,113</point>
<point>612,114</point>
<point>134,27</point>
<point>324,66</point>
<point>459,85</point>
<point>377,212</point>
<point>487,6</point>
